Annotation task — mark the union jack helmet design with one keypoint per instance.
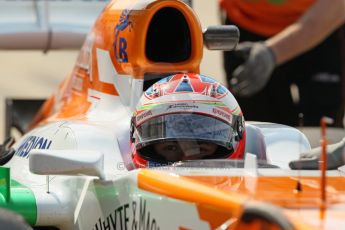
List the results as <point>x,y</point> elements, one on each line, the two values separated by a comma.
<point>182,83</point>
<point>186,108</point>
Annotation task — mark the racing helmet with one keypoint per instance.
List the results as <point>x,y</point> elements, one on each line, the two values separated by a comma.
<point>186,117</point>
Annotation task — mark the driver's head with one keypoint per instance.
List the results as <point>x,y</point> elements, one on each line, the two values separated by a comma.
<point>173,151</point>
<point>186,117</point>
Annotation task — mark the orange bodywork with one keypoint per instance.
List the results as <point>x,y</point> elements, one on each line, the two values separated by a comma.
<point>214,206</point>
<point>281,190</point>
<point>71,100</point>
<point>302,208</point>
<point>220,198</point>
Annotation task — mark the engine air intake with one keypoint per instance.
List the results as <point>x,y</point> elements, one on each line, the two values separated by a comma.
<point>168,37</point>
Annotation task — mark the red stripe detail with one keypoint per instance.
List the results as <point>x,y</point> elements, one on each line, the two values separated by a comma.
<point>98,98</point>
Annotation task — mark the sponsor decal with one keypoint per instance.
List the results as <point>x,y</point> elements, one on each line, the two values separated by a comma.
<point>120,43</point>
<point>143,115</point>
<point>32,142</point>
<point>222,114</point>
<point>133,216</point>
<point>183,106</point>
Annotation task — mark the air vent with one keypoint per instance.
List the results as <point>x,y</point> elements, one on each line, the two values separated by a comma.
<point>168,37</point>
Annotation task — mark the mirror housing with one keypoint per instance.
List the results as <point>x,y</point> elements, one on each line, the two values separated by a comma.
<point>223,37</point>
<point>66,162</point>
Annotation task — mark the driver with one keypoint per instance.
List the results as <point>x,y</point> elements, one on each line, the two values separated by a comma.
<point>186,117</point>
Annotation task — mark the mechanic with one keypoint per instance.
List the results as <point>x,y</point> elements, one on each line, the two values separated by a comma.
<point>284,43</point>
<point>186,117</point>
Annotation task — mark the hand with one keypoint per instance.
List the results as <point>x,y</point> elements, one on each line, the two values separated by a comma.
<point>310,160</point>
<point>253,75</point>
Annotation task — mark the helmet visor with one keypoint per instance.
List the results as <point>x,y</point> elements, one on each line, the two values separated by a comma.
<point>187,126</point>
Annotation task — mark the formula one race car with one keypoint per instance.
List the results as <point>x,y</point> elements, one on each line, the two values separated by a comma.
<point>85,163</point>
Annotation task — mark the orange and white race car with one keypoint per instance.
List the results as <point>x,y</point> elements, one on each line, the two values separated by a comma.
<point>78,168</point>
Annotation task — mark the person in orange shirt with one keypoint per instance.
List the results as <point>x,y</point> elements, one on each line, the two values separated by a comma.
<point>284,43</point>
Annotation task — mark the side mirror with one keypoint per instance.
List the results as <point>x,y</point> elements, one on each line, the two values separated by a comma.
<point>223,37</point>
<point>66,162</point>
